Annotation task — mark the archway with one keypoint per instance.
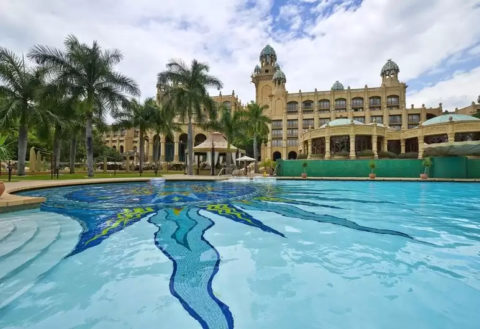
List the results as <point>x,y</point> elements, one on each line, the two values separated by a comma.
<point>182,146</point>
<point>199,138</point>
<point>121,149</point>
<point>276,155</point>
<point>169,149</point>
<point>292,155</point>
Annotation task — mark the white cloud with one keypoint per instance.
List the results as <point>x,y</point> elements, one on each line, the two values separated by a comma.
<point>350,45</point>
<point>464,84</point>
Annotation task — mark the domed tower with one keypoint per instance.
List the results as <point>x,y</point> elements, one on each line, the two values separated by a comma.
<point>263,75</point>
<point>389,73</point>
<point>337,86</point>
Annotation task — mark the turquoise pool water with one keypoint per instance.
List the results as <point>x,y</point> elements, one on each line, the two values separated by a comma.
<point>291,254</point>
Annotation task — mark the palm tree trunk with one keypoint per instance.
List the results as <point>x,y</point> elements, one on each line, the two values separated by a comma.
<point>255,152</point>
<point>142,152</point>
<point>190,147</point>
<point>22,148</point>
<point>229,158</point>
<point>73,153</point>
<point>56,149</point>
<point>89,146</point>
<point>156,150</point>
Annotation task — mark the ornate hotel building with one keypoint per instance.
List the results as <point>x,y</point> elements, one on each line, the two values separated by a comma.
<point>340,122</point>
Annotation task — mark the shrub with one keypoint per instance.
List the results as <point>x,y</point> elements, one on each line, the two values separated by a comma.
<point>408,155</point>
<point>342,154</point>
<point>301,156</point>
<point>365,153</point>
<point>386,155</point>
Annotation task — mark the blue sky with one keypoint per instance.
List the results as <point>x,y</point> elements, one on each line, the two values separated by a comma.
<point>435,43</point>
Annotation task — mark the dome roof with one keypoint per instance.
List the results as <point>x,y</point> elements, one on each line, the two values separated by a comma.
<point>337,86</point>
<point>389,68</point>
<point>279,75</point>
<point>257,69</point>
<point>449,117</point>
<point>268,50</point>
<point>277,66</point>
<point>341,122</point>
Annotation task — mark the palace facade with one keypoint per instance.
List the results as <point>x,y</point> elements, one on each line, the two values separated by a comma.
<point>340,122</point>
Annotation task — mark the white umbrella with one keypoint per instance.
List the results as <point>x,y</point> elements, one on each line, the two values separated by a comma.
<point>246,158</point>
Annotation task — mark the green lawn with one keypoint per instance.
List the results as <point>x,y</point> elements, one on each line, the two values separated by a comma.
<point>83,175</point>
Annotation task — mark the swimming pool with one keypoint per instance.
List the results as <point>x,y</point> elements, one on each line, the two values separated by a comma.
<point>291,254</point>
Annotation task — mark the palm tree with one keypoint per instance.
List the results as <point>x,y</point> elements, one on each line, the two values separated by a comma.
<point>139,116</point>
<point>163,124</point>
<point>231,124</point>
<point>18,88</point>
<point>256,126</point>
<point>89,74</point>
<point>185,89</point>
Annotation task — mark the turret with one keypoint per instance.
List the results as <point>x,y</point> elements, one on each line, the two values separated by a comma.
<point>389,73</point>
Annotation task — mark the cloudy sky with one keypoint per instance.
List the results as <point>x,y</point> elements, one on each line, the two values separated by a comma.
<point>436,43</point>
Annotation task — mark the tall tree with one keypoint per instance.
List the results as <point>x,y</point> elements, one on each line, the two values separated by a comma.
<point>164,124</point>
<point>232,125</point>
<point>185,89</point>
<point>19,85</point>
<point>89,73</point>
<point>257,126</point>
<point>139,116</point>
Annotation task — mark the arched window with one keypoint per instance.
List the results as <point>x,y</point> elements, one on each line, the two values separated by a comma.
<point>307,106</point>
<point>340,104</point>
<point>114,147</point>
<point>357,103</point>
<point>276,155</point>
<point>393,101</point>
<point>292,107</point>
<point>121,149</point>
<point>324,105</point>
<point>292,155</point>
<point>227,104</point>
<point>375,103</point>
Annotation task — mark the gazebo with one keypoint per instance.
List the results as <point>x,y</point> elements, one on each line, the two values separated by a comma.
<point>213,146</point>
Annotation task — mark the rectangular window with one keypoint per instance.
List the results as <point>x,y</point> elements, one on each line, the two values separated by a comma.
<point>413,118</point>
<point>324,104</point>
<point>410,126</point>
<point>292,107</point>
<point>277,133</point>
<point>292,132</point>
<point>292,123</point>
<point>340,103</point>
<point>277,143</point>
<point>360,119</point>
<point>323,121</point>
<point>395,120</point>
<point>277,124</point>
<point>308,123</point>
<point>377,119</point>
<point>357,102</point>
<point>292,142</point>
<point>375,101</point>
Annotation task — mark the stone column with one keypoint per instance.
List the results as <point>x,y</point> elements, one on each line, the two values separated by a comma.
<point>451,132</point>
<point>315,111</point>
<point>176,149</point>
<point>162,148</point>
<point>420,144</point>
<point>33,160</point>
<point>310,147</point>
<point>385,144</point>
<point>150,150</point>
<point>327,143</point>
<point>402,145</point>
<point>352,141</point>
<point>269,143</point>
<point>284,136</point>
<point>374,143</point>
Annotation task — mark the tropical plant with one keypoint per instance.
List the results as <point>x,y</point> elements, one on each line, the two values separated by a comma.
<point>163,124</point>
<point>185,90</point>
<point>257,126</point>
<point>268,164</point>
<point>88,73</point>
<point>4,152</point>
<point>19,84</point>
<point>372,165</point>
<point>139,116</point>
<point>426,163</point>
<point>304,166</point>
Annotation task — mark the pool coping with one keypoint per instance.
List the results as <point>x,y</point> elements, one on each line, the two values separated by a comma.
<point>10,201</point>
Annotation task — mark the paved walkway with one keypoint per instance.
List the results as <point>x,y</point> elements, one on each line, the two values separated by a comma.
<point>10,201</point>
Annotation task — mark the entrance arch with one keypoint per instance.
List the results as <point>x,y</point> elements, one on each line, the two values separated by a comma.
<point>276,155</point>
<point>182,146</point>
<point>199,138</point>
<point>292,155</point>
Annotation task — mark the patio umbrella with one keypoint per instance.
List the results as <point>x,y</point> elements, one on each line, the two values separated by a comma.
<point>246,159</point>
